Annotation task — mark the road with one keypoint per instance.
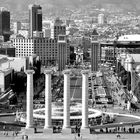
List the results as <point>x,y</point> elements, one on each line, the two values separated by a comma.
<point>75,137</point>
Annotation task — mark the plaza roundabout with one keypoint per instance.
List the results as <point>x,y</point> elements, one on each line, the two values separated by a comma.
<point>57,112</point>
<point>75,112</point>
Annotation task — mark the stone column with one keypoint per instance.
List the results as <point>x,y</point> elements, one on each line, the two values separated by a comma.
<point>29,106</point>
<point>66,121</point>
<point>48,99</point>
<point>85,126</point>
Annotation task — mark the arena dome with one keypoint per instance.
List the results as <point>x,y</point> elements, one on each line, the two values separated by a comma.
<point>128,38</point>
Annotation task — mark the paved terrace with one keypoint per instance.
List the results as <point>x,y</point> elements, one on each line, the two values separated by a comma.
<point>73,137</point>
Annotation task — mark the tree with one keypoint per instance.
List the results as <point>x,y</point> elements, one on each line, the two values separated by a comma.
<point>129,81</point>
<point>85,55</point>
<point>137,90</point>
<point>19,81</point>
<point>72,58</point>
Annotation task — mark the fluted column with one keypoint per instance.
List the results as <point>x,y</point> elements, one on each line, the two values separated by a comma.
<point>29,99</point>
<point>48,99</point>
<point>85,126</point>
<point>66,120</point>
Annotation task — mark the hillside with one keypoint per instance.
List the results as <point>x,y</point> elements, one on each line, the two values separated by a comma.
<point>18,5</point>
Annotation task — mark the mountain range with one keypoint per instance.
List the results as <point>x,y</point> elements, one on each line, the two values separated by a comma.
<point>18,5</point>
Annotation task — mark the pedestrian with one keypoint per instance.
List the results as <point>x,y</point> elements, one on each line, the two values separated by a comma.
<point>118,135</point>
<point>124,129</point>
<point>76,128</point>
<point>4,129</point>
<point>16,132</point>
<point>13,133</point>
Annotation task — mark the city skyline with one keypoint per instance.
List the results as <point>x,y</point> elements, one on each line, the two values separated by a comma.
<point>71,68</point>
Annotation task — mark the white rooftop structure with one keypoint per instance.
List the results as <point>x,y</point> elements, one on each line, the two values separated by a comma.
<point>136,57</point>
<point>3,9</point>
<point>134,37</point>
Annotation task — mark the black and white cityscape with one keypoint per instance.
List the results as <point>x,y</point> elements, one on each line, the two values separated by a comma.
<point>69,70</point>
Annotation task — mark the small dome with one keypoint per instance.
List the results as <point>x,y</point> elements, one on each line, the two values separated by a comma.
<point>138,69</point>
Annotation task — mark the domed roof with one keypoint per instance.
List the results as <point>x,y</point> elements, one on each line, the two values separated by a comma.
<point>134,37</point>
<point>138,69</point>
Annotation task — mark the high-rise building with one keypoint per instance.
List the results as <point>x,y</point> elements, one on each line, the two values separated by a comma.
<point>58,28</point>
<point>5,23</point>
<point>62,52</point>
<point>95,51</point>
<point>35,19</point>
<point>17,26</point>
<point>101,19</point>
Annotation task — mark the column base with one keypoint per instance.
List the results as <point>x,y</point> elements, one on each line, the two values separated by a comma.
<point>48,130</point>
<point>85,131</point>
<point>66,131</point>
<point>29,131</point>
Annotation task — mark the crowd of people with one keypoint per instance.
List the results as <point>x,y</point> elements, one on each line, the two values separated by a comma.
<point>10,130</point>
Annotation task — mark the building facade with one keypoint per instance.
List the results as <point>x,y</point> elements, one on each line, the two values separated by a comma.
<point>107,52</point>
<point>35,19</point>
<point>58,28</point>
<point>95,51</point>
<point>8,51</point>
<point>16,27</point>
<point>101,19</point>
<point>62,52</point>
<point>5,23</point>
<point>45,48</point>
<point>6,78</point>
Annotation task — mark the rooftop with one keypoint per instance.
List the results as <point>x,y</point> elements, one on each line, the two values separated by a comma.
<point>136,57</point>
<point>3,9</point>
<point>134,37</point>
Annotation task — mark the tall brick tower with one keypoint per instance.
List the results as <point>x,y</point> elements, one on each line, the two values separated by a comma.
<point>95,51</point>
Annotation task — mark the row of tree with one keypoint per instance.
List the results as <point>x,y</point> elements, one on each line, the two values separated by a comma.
<point>20,78</point>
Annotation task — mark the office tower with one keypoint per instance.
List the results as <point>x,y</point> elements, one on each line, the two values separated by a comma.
<point>17,26</point>
<point>35,19</point>
<point>58,28</point>
<point>62,52</point>
<point>101,19</point>
<point>95,51</point>
<point>5,23</point>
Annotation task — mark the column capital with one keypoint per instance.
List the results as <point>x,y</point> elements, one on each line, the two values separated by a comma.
<point>85,72</point>
<point>30,72</point>
<point>48,71</point>
<point>67,71</point>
